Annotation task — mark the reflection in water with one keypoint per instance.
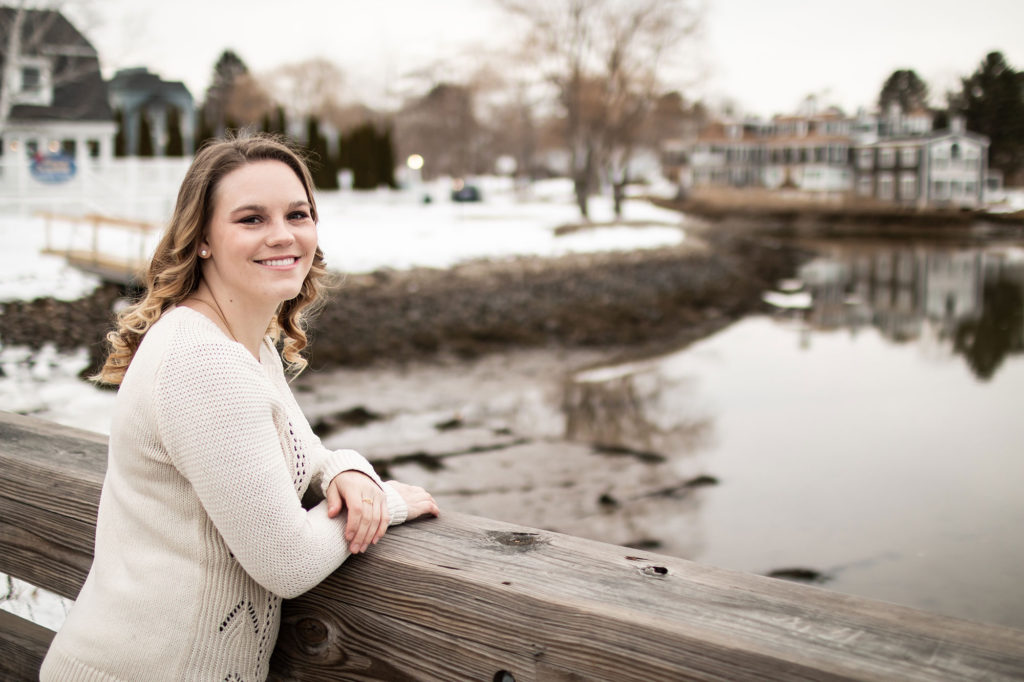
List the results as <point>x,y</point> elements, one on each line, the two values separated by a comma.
<point>627,408</point>
<point>869,458</point>
<point>971,298</point>
<point>986,341</point>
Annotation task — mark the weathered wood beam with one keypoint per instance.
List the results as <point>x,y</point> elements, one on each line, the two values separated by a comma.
<point>23,645</point>
<point>462,597</point>
<point>50,480</point>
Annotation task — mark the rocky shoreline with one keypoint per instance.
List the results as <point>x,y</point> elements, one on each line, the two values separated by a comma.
<point>655,297</point>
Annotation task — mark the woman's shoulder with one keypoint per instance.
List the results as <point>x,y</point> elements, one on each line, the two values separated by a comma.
<point>186,340</point>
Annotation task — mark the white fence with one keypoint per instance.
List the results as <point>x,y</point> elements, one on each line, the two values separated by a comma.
<point>131,188</point>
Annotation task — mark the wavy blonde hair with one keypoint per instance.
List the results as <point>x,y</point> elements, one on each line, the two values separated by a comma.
<point>174,273</point>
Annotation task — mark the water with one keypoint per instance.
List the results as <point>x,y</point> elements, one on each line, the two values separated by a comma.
<point>872,437</point>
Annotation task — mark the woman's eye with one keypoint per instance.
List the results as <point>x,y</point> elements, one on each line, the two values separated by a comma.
<point>250,220</point>
<point>298,215</point>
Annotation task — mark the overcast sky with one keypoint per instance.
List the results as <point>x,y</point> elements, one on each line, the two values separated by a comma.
<point>764,55</point>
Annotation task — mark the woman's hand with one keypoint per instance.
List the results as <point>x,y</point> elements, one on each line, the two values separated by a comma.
<point>367,508</point>
<point>418,500</point>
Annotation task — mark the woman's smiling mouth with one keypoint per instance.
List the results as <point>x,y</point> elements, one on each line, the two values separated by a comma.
<point>279,262</point>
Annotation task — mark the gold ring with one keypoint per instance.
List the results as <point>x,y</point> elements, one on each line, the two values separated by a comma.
<point>367,500</point>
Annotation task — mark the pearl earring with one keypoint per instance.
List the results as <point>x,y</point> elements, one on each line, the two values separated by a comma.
<point>203,253</point>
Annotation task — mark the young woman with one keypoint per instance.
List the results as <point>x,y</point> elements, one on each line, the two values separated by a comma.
<point>201,531</point>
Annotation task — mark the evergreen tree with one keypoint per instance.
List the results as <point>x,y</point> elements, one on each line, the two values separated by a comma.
<point>226,71</point>
<point>903,87</point>
<point>322,168</point>
<point>992,102</point>
<point>175,141</point>
<point>281,124</point>
<point>386,159</point>
<point>145,146</point>
<point>120,138</point>
<point>370,155</point>
<point>204,131</point>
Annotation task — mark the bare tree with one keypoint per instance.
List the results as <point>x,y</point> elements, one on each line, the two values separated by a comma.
<point>247,101</point>
<point>311,87</point>
<point>606,60</point>
<point>442,127</point>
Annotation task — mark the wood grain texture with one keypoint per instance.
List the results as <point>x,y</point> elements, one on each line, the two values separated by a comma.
<point>23,645</point>
<point>605,612</point>
<point>464,597</point>
<point>50,480</point>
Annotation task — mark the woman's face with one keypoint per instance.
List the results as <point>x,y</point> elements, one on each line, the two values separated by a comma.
<point>261,238</point>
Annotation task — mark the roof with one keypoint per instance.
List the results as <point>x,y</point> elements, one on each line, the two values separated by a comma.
<point>139,79</point>
<point>79,91</point>
<point>934,136</point>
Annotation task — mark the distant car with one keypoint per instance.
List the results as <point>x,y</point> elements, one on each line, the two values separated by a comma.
<point>465,192</point>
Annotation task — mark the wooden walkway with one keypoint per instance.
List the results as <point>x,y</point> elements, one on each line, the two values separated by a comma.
<point>125,271</point>
<point>468,598</point>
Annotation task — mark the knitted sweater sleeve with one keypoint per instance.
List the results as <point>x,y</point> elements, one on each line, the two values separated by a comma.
<point>326,464</point>
<point>218,422</point>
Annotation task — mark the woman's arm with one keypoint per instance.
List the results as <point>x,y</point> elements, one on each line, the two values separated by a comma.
<point>216,417</point>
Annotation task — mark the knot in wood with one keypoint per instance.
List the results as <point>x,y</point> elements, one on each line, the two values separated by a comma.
<point>517,541</point>
<point>655,571</point>
<point>311,631</point>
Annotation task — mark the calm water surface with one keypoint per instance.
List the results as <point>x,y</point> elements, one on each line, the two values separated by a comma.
<point>873,434</point>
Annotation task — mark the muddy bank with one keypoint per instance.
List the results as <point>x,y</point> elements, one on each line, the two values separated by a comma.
<point>844,221</point>
<point>658,297</point>
<point>637,298</point>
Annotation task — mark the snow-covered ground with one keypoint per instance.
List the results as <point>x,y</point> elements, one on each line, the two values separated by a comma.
<point>362,232</point>
<point>1007,201</point>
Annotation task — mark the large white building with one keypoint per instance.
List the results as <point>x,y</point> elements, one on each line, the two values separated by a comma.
<point>57,99</point>
<point>891,158</point>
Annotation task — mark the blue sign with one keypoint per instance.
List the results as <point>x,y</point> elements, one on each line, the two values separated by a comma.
<point>52,168</point>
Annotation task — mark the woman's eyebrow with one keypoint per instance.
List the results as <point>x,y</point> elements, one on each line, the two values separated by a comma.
<point>259,208</point>
<point>253,208</point>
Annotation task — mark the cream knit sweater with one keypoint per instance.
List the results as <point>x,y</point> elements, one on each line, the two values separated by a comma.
<point>200,531</point>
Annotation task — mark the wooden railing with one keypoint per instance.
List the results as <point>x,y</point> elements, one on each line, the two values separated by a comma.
<point>124,269</point>
<point>468,598</point>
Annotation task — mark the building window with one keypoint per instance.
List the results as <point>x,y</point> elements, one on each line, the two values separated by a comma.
<point>68,147</point>
<point>940,188</point>
<point>94,148</point>
<point>32,147</point>
<point>885,188</point>
<point>820,154</point>
<point>970,189</point>
<point>864,186</point>
<point>886,158</point>
<point>865,158</point>
<point>908,186</point>
<point>31,79</point>
<point>908,157</point>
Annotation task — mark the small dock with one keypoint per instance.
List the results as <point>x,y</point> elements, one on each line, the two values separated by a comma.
<point>87,253</point>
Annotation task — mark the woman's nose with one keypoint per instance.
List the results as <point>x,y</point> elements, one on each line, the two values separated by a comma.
<point>279,233</point>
